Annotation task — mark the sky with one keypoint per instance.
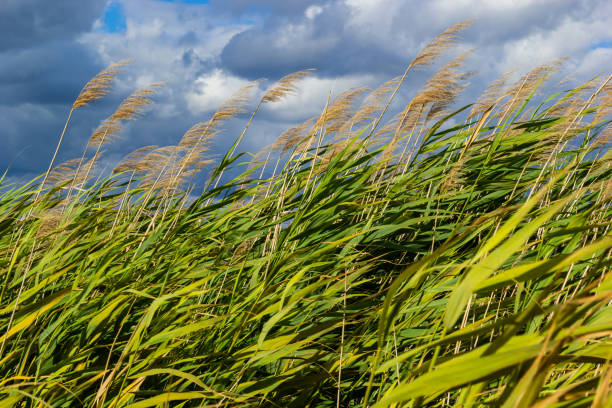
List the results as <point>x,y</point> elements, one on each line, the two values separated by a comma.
<point>205,50</point>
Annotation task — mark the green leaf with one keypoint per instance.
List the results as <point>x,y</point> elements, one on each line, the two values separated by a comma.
<point>465,369</point>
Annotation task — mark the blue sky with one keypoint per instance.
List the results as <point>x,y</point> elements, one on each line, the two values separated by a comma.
<point>205,50</point>
<point>114,18</point>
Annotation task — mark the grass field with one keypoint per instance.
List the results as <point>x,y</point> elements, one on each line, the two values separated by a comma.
<point>440,256</point>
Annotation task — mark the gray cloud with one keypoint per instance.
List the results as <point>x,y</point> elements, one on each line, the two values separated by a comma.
<point>322,40</point>
<point>360,36</point>
<point>270,7</point>
<point>27,23</point>
<point>42,68</point>
<point>51,73</point>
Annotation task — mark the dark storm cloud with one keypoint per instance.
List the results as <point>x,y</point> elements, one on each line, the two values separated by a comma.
<point>41,63</point>
<point>52,73</point>
<point>42,69</point>
<point>27,23</point>
<point>322,41</point>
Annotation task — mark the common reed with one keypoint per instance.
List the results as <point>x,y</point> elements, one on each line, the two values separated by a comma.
<point>389,259</point>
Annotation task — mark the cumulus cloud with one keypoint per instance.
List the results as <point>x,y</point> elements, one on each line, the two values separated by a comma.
<point>313,11</point>
<point>211,90</point>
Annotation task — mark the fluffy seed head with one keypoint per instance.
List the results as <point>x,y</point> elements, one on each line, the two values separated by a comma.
<point>442,89</point>
<point>285,86</point>
<point>528,84</point>
<point>340,111</point>
<point>199,134</point>
<point>235,105</point>
<point>292,136</point>
<point>439,44</point>
<point>492,94</point>
<point>129,109</point>
<point>98,86</point>
<point>131,160</point>
<point>71,171</point>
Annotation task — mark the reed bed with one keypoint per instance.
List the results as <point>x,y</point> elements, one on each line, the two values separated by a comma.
<point>440,257</point>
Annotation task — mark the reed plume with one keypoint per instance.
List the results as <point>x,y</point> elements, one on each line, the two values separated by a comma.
<point>131,161</point>
<point>491,95</point>
<point>293,136</point>
<point>129,109</point>
<point>68,171</point>
<point>340,112</point>
<point>372,105</point>
<point>442,89</point>
<point>232,107</point>
<point>430,53</point>
<point>285,86</point>
<point>94,89</point>
<point>527,84</point>
<point>98,86</point>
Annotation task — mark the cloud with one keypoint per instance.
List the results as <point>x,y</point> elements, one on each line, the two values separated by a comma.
<point>45,74</point>
<point>27,23</point>
<point>42,69</point>
<point>313,11</point>
<point>596,62</point>
<point>321,37</point>
<point>269,7</point>
<point>211,90</point>
<point>205,50</point>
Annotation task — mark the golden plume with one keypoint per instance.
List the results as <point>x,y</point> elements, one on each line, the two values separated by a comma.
<point>285,86</point>
<point>98,86</point>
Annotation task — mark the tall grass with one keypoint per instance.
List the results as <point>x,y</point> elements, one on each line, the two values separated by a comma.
<point>440,257</point>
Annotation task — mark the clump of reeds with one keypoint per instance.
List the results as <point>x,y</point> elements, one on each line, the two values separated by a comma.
<point>382,262</point>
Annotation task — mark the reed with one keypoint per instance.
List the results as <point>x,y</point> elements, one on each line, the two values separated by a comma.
<point>386,261</point>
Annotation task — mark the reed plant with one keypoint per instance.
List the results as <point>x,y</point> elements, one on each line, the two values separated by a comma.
<point>442,256</point>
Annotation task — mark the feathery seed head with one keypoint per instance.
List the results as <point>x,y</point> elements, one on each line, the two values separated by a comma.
<point>292,136</point>
<point>373,104</point>
<point>285,86</point>
<point>63,172</point>
<point>133,105</point>
<point>234,105</point>
<point>105,133</point>
<point>444,86</point>
<point>200,133</point>
<point>528,84</point>
<point>130,162</point>
<point>98,86</point>
<point>491,96</point>
<point>71,170</point>
<point>128,109</point>
<point>439,44</point>
<point>340,111</point>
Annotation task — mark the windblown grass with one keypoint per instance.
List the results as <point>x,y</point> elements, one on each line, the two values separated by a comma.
<point>404,262</point>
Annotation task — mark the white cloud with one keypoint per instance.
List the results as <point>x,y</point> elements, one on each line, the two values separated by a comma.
<point>313,11</point>
<point>211,90</point>
<point>595,62</point>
